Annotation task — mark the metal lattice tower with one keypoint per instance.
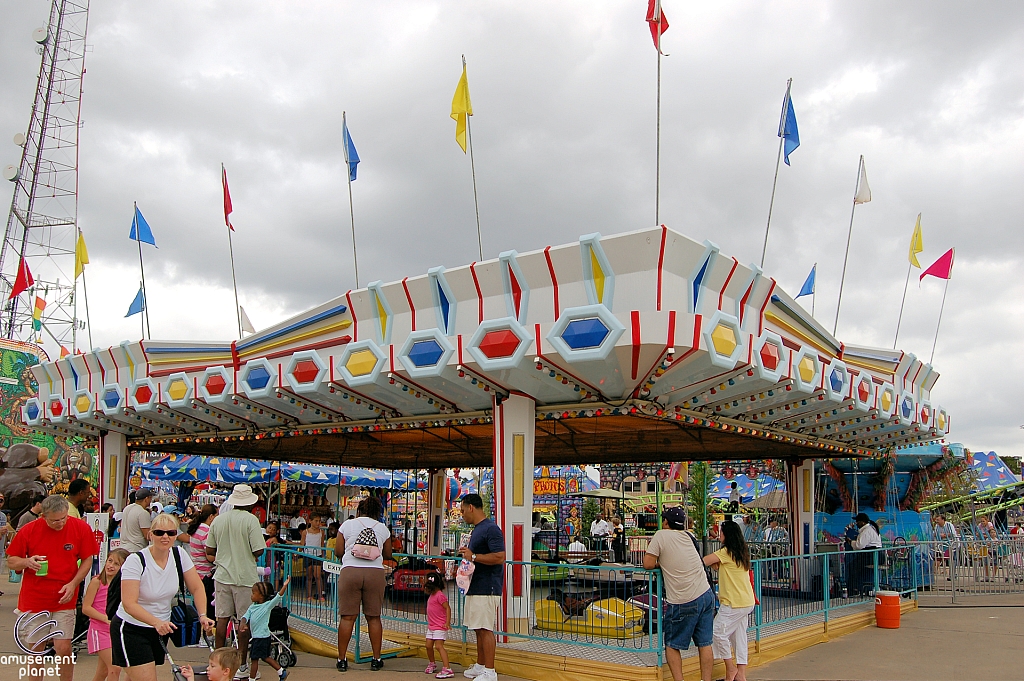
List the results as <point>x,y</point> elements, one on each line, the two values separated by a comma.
<point>42,226</point>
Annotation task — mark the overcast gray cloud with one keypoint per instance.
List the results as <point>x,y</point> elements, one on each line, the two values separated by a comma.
<point>564,95</point>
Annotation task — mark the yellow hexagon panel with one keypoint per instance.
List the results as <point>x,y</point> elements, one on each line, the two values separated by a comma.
<point>177,389</point>
<point>83,403</point>
<point>886,400</point>
<point>806,368</point>
<point>724,340</point>
<point>361,362</point>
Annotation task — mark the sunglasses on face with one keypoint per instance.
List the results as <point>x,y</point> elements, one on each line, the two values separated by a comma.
<point>163,533</point>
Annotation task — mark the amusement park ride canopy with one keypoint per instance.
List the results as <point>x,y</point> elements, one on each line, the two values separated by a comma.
<point>640,347</point>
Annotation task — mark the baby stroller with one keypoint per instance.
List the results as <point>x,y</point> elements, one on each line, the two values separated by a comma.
<point>280,639</point>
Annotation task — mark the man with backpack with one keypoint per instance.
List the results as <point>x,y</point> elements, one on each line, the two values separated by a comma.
<point>233,544</point>
<point>55,551</point>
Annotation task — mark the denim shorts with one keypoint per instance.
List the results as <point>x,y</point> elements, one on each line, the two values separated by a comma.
<point>693,621</point>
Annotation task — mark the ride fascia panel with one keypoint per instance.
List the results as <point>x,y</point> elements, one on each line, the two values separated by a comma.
<point>500,350</point>
<point>837,381</point>
<point>426,353</point>
<point>305,371</point>
<point>605,329</point>
<point>216,384</point>
<point>806,370</point>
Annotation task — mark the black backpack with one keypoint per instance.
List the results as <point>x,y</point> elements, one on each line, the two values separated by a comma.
<point>184,616</point>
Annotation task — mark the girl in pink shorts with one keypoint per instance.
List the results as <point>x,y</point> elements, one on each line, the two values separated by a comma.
<point>439,617</point>
<point>94,605</point>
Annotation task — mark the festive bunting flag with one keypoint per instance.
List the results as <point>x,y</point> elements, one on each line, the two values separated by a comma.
<point>461,108</point>
<point>916,243</point>
<point>863,190</point>
<point>138,305</point>
<point>37,313</point>
<point>64,352</point>
<point>227,198</point>
<point>22,281</point>
<point>141,230</point>
<point>808,288</point>
<point>941,268</point>
<point>81,255</point>
<point>789,131</point>
<point>246,324</point>
<point>657,21</point>
<point>352,156</point>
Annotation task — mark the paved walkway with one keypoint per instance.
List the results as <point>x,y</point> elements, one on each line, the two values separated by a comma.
<point>981,637</point>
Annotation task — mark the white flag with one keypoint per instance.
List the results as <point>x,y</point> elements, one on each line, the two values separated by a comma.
<point>863,190</point>
<point>247,325</point>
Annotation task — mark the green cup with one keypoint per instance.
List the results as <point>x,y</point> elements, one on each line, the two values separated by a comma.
<point>44,568</point>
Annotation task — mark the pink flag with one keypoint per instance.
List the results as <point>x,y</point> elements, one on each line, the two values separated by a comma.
<point>941,268</point>
<point>227,197</point>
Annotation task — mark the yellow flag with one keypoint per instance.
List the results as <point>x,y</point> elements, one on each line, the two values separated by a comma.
<point>916,243</point>
<point>81,255</point>
<point>461,107</point>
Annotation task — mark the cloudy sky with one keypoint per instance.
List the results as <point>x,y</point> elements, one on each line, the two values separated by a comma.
<point>564,95</point>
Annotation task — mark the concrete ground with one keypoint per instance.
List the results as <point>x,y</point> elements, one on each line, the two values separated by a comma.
<point>980,637</point>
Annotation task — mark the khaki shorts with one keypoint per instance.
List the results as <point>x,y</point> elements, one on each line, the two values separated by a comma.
<point>28,622</point>
<point>231,600</point>
<point>481,612</point>
<point>361,585</point>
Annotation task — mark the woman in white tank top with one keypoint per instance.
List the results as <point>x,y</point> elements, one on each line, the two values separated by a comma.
<point>313,537</point>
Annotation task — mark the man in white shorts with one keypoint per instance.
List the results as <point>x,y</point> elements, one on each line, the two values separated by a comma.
<point>233,544</point>
<point>486,551</point>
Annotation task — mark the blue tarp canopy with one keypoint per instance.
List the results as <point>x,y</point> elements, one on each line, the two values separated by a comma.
<point>991,471</point>
<point>195,468</point>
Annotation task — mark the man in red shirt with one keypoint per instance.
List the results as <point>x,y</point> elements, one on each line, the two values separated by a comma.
<point>62,549</point>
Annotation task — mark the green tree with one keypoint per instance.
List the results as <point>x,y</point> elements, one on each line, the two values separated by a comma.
<point>698,497</point>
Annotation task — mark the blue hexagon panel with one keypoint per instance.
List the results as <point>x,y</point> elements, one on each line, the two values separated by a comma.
<point>425,353</point>
<point>581,334</point>
<point>257,378</point>
<point>907,407</point>
<point>111,398</point>
<point>32,410</point>
<point>835,377</point>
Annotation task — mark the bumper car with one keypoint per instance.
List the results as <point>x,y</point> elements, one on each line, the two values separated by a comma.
<point>541,573</point>
<point>408,577</point>
<point>603,617</point>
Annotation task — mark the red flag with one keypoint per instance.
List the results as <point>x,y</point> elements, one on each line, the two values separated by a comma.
<point>227,197</point>
<point>64,352</point>
<point>22,281</point>
<point>941,268</point>
<point>656,16</point>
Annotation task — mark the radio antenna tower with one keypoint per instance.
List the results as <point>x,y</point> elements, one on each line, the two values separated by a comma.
<point>42,227</point>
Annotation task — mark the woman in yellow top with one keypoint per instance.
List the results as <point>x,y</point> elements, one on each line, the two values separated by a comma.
<point>737,598</point>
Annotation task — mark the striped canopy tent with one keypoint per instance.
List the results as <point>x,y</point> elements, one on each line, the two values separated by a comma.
<point>196,468</point>
<point>991,471</point>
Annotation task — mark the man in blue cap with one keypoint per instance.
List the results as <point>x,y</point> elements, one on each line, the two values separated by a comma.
<point>689,612</point>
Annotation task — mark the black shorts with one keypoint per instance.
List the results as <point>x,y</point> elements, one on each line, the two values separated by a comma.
<point>132,645</point>
<point>259,648</point>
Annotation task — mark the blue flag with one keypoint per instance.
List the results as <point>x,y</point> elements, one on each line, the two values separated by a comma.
<point>808,288</point>
<point>141,230</point>
<point>350,152</point>
<point>138,305</point>
<point>788,129</point>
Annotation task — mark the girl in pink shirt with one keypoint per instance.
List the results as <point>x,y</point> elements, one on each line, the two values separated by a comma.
<point>439,616</point>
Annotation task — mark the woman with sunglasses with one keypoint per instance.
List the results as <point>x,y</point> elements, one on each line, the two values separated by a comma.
<point>147,593</point>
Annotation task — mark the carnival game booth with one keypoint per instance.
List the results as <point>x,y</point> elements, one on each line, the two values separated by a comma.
<point>641,347</point>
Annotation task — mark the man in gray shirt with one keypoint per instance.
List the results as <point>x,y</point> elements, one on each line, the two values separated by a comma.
<point>135,522</point>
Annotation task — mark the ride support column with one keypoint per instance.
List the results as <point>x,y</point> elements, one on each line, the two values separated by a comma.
<point>112,486</point>
<point>514,429</point>
<point>437,507</point>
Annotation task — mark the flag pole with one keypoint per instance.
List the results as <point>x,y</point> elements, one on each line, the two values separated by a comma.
<point>775,182</point>
<point>849,235</point>
<point>142,270</point>
<point>231,252</point>
<point>351,211</point>
<point>88,321</point>
<point>904,302</point>
<point>814,293</point>
<point>937,325</point>
<point>472,165</point>
<point>657,153</point>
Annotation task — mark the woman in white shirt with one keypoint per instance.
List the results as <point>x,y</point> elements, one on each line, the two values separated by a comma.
<point>362,580</point>
<point>147,594</point>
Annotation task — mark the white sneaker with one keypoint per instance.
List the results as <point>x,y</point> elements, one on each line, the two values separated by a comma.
<point>243,672</point>
<point>488,675</point>
<point>474,671</point>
